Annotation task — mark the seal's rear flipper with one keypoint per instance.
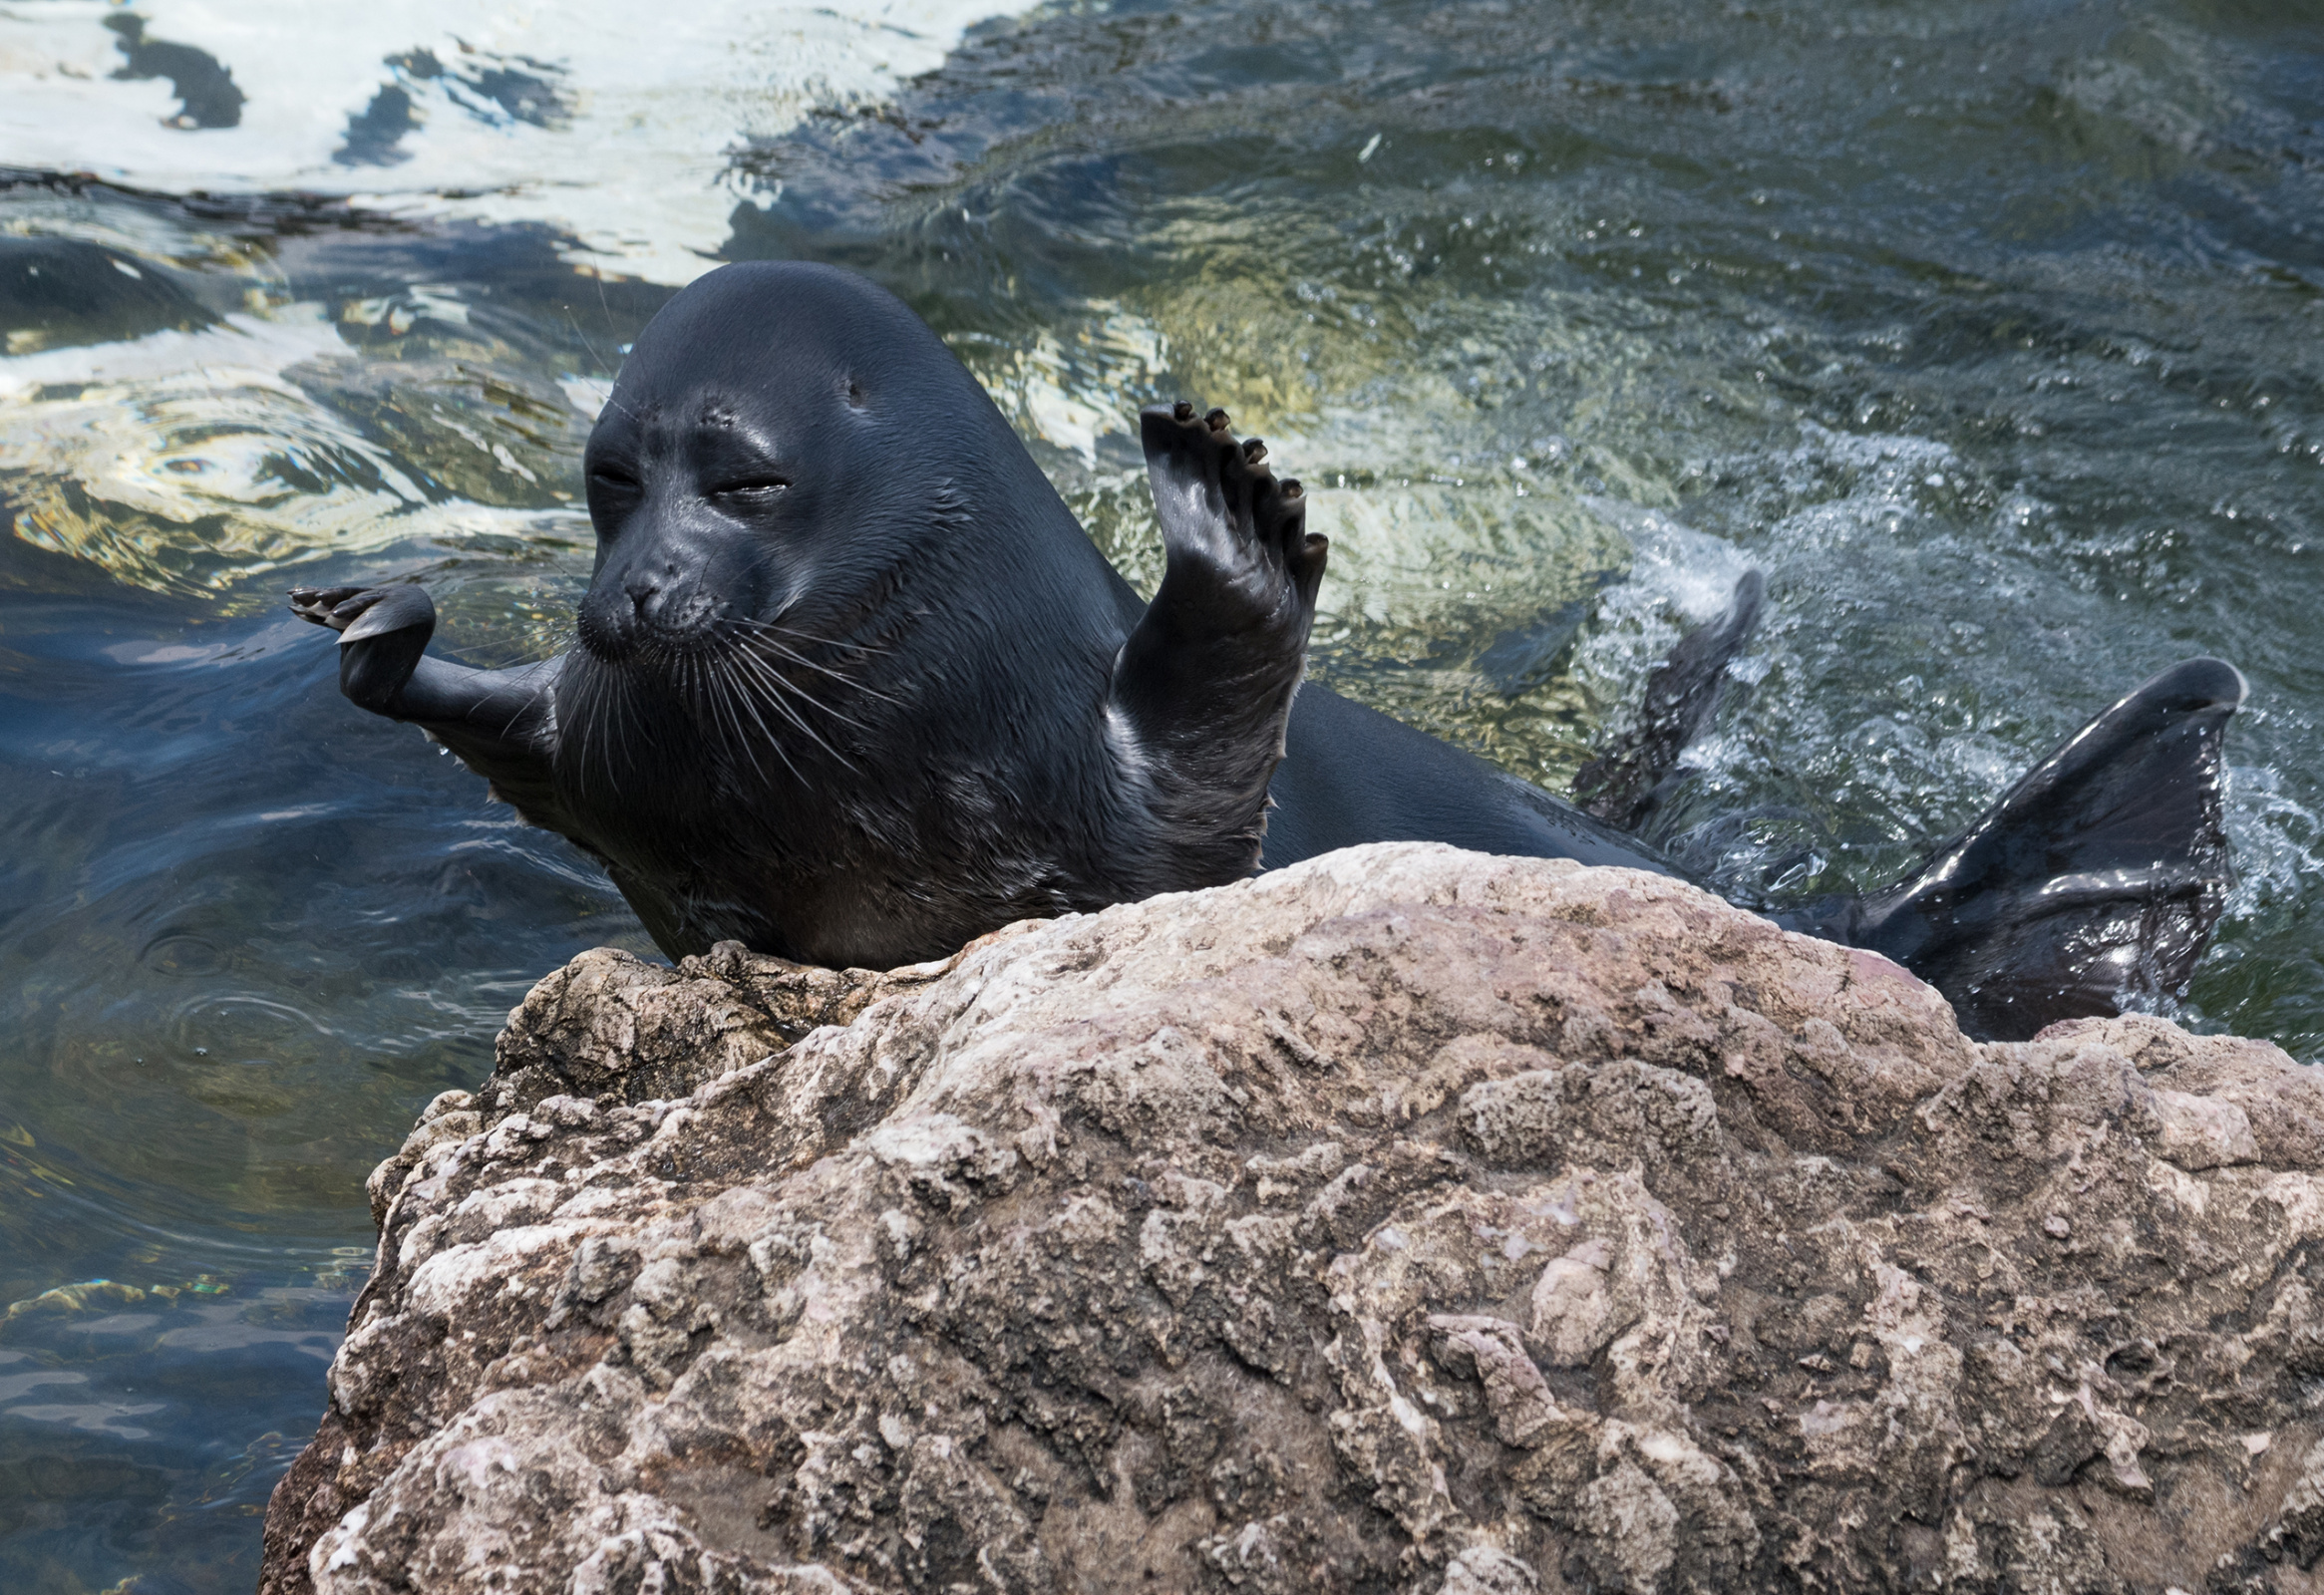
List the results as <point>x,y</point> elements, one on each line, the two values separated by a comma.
<point>2097,877</point>
<point>1622,785</point>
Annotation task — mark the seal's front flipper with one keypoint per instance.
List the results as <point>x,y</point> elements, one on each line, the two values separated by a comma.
<point>383,631</point>
<point>1202,687</point>
<point>500,722</point>
<point>1240,556</point>
<point>2097,877</point>
<point>1623,784</point>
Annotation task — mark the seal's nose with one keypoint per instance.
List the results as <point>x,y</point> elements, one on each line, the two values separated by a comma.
<point>646,591</point>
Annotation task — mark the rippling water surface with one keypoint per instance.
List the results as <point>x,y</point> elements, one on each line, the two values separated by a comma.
<point>1994,333</point>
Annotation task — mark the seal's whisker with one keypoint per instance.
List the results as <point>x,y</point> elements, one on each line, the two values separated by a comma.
<point>768,628</point>
<point>751,649</point>
<point>702,698</point>
<point>751,687</point>
<point>723,694</point>
<point>596,732</point>
<point>794,656</point>
<point>808,636</point>
<point>743,701</point>
<point>583,699</point>
<point>777,692</point>
<point>615,732</point>
<point>744,656</point>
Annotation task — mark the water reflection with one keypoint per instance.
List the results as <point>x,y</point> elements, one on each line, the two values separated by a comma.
<point>99,1413</point>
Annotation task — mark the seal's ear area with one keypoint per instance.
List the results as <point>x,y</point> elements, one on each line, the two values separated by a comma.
<point>2097,877</point>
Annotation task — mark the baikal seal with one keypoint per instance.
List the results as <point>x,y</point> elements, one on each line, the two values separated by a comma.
<point>852,687</point>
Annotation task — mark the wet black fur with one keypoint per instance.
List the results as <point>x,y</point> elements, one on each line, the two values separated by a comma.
<point>853,686</point>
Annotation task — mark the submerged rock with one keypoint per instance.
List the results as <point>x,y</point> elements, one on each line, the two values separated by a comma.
<point>1406,1220</point>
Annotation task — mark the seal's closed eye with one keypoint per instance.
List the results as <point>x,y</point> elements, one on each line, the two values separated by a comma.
<point>749,488</point>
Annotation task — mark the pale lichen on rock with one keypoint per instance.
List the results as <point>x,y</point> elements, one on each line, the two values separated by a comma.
<point>1406,1220</point>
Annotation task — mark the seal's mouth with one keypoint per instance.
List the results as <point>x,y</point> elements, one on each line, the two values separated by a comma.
<point>650,616</point>
<point>763,698</point>
<point>680,664</point>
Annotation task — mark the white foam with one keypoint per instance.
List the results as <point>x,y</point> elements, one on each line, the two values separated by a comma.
<point>635,164</point>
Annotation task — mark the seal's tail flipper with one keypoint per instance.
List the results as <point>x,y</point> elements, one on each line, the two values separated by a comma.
<point>2098,876</point>
<point>1623,784</point>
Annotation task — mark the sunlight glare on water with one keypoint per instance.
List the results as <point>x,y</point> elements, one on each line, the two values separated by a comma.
<point>1991,335</point>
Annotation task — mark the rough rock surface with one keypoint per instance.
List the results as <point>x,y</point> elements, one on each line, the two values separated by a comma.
<point>1407,1221</point>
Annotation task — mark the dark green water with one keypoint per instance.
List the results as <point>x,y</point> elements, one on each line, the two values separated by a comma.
<point>1994,333</point>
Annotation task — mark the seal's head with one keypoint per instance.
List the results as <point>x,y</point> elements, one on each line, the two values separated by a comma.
<point>839,623</point>
<point>749,467</point>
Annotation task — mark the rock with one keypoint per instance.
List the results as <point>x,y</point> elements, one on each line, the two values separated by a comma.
<point>610,1028</point>
<point>1408,1220</point>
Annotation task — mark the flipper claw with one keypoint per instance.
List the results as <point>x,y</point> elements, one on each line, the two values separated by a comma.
<point>1224,512</point>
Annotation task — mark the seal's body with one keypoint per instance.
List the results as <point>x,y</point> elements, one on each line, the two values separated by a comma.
<point>851,686</point>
